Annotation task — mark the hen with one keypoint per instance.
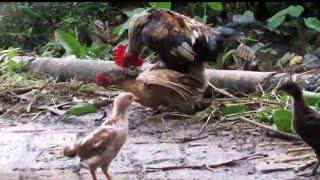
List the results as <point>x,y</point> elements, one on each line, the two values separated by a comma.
<point>306,121</point>
<point>100,147</point>
<point>157,87</point>
<point>182,43</point>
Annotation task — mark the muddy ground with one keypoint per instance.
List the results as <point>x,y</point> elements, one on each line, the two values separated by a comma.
<point>31,150</point>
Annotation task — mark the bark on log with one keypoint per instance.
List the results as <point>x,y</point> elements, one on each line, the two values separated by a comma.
<point>232,80</point>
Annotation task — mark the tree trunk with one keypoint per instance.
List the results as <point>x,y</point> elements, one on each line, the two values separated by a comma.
<point>85,70</point>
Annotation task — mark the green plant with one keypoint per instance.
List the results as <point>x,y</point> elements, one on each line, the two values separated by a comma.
<point>74,47</point>
<point>119,30</point>
<point>193,7</point>
<point>294,14</point>
<point>163,5</point>
<point>30,24</point>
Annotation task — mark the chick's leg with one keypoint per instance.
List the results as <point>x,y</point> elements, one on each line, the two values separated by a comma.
<point>314,171</point>
<point>93,172</point>
<point>105,172</point>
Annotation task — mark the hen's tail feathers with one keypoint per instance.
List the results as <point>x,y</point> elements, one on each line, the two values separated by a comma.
<point>228,30</point>
<point>69,151</point>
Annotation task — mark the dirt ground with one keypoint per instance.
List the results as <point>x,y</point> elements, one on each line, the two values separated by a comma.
<point>31,150</point>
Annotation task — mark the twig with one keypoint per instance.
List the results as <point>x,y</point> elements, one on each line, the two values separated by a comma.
<point>222,91</point>
<point>187,139</point>
<point>284,134</point>
<point>232,115</point>
<point>208,119</point>
<point>35,116</point>
<point>296,158</point>
<point>299,149</point>
<point>304,166</point>
<point>167,168</point>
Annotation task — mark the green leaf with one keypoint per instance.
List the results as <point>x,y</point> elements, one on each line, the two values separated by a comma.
<point>216,6</point>
<point>257,46</point>
<point>234,108</point>
<point>277,19</point>
<point>119,30</point>
<point>276,22</point>
<point>282,118</point>
<point>245,17</point>
<point>199,116</point>
<point>313,23</point>
<point>70,44</point>
<point>265,116</point>
<point>295,11</point>
<point>11,53</point>
<point>116,30</point>
<point>226,58</point>
<point>82,109</point>
<point>134,11</point>
<point>96,49</point>
<point>312,98</point>
<point>284,59</point>
<point>13,66</point>
<point>163,5</point>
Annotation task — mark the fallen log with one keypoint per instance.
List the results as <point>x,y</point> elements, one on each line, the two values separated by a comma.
<point>233,80</point>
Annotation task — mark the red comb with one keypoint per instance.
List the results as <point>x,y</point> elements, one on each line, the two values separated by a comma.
<point>126,62</point>
<point>103,79</point>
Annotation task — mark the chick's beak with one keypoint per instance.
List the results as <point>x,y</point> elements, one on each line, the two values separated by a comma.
<point>135,98</point>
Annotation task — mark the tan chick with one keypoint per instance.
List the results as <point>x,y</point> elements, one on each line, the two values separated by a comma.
<point>102,145</point>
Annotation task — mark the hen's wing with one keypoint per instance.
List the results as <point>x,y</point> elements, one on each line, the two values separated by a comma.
<point>96,142</point>
<point>176,32</point>
<point>185,85</point>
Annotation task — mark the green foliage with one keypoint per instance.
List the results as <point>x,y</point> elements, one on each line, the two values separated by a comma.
<point>70,44</point>
<point>266,116</point>
<point>277,19</point>
<point>163,5</point>
<point>10,66</point>
<point>234,108</point>
<point>313,23</point>
<point>285,59</point>
<point>73,47</point>
<point>201,115</point>
<point>216,6</point>
<point>30,24</point>
<point>199,10</point>
<point>119,30</point>
<point>245,17</point>
<point>82,109</point>
<point>312,98</point>
<point>282,118</point>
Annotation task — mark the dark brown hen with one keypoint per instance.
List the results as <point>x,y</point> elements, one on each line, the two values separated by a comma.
<point>182,43</point>
<point>306,121</point>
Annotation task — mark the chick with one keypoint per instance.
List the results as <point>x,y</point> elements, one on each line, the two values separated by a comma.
<point>306,121</point>
<point>102,145</point>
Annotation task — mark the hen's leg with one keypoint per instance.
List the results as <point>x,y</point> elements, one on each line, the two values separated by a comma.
<point>105,172</point>
<point>314,171</point>
<point>93,172</point>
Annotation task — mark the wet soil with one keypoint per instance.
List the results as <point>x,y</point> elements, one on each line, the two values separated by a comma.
<point>31,150</point>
